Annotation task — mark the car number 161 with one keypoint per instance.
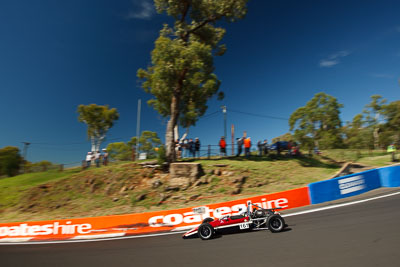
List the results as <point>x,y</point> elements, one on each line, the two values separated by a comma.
<point>244,226</point>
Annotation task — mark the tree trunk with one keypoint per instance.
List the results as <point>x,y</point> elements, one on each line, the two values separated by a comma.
<point>93,143</point>
<point>376,138</point>
<point>169,135</point>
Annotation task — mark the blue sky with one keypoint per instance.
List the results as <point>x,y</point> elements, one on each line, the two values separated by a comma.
<point>55,55</point>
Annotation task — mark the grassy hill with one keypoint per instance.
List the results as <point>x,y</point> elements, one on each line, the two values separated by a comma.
<point>127,187</point>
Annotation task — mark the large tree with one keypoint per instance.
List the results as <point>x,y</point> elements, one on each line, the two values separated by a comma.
<point>357,135</point>
<point>318,119</point>
<point>180,76</point>
<point>99,120</point>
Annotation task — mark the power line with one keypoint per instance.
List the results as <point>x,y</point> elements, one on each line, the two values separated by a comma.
<point>259,115</point>
<point>210,115</point>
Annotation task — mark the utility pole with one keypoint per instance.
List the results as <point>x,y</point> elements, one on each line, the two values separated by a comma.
<point>138,128</point>
<point>24,154</point>
<point>224,111</point>
<point>25,150</point>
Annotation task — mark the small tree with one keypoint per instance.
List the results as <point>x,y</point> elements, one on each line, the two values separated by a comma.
<point>99,120</point>
<point>148,141</point>
<point>373,112</point>
<point>181,77</point>
<point>119,151</point>
<point>10,161</point>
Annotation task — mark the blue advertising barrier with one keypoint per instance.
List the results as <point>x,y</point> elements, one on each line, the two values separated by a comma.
<point>345,186</point>
<point>390,176</point>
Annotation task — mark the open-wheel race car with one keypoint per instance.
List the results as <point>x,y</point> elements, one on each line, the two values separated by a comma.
<point>254,218</point>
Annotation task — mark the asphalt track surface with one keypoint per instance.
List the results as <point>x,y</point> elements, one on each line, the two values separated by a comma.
<point>364,234</point>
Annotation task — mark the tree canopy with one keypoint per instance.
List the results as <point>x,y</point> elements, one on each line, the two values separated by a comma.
<point>99,120</point>
<point>148,142</point>
<point>10,161</point>
<point>180,76</point>
<point>319,120</point>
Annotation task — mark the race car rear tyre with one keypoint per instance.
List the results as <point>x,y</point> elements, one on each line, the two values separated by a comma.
<point>206,231</point>
<point>276,223</point>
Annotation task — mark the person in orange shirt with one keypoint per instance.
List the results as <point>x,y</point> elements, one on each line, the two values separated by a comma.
<point>222,146</point>
<point>247,146</point>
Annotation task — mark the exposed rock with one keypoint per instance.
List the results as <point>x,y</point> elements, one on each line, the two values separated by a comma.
<point>141,197</point>
<point>93,188</point>
<point>153,162</point>
<point>123,189</point>
<point>221,165</point>
<point>115,199</point>
<point>156,184</point>
<point>163,197</point>
<point>186,170</point>
<point>198,183</point>
<point>239,180</point>
<point>217,172</point>
<point>181,183</point>
<point>107,190</point>
<point>191,198</point>
<point>131,187</point>
<point>171,188</point>
<point>236,191</point>
<point>227,173</point>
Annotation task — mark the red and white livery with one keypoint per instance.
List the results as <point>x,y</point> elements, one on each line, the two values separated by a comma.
<point>254,218</point>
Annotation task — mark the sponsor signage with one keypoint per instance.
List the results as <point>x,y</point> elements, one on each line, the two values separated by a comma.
<point>351,184</point>
<point>150,222</point>
<point>345,186</point>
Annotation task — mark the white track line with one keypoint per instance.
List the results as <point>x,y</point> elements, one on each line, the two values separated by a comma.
<point>339,205</point>
<point>15,239</point>
<point>78,237</point>
<point>173,233</point>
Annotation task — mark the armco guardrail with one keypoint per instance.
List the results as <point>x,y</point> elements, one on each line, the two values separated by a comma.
<point>142,223</point>
<point>390,176</point>
<point>354,184</point>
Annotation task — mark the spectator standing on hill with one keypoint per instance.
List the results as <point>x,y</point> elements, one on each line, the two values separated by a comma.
<point>222,146</point>
<point>185,148</point>
<point>197,147</point>
<point>392,149</point>
<point>239,142</point>
<point>265,147</point>
<point>97,158</point>
<point>105,157</point>
<point>247,146</point>
<point>278,147</point>
<point>88,159</point>
<point>191,148</point>
<point>260,146</point>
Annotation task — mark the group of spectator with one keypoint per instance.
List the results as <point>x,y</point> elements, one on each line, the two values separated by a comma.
<point>97,157</point>
<point>246,143</point>
<point>186,148</point>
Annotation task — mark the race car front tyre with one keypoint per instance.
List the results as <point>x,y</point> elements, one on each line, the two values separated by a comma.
<point>276,223</point>
<point>206,231</point>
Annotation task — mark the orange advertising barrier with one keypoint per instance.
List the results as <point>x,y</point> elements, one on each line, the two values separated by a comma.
<point>146,223</point>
